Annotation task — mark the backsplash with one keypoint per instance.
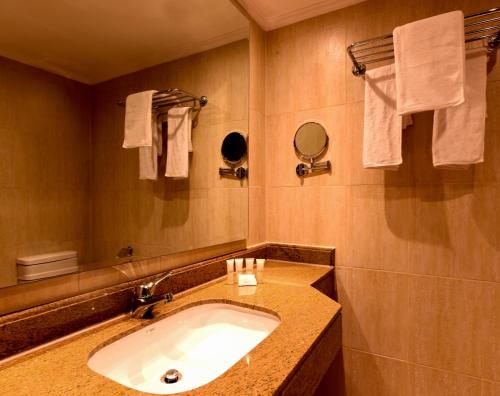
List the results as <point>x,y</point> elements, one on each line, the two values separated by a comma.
<point>29,328</point>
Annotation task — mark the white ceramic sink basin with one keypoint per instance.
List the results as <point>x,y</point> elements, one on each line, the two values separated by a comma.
<point>201,342</point>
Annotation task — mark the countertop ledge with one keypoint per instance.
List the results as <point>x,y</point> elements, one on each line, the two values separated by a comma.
<point>61,368</point>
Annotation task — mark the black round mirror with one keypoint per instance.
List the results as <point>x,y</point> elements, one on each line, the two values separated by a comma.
<point>234,148</point>
<point>310,141</point>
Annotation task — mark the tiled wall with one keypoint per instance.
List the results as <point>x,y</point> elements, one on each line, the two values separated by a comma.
<point>418,250</point>
<point>168,215</point>
<point>44,156</point>
<point>257,160</point>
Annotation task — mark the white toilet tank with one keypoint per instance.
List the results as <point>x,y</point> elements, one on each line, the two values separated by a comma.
<point>47,265</point>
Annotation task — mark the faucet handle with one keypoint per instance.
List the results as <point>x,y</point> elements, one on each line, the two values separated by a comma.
<point>144,290</point>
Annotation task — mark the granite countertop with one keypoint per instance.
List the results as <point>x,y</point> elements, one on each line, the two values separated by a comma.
<point>61,368</point>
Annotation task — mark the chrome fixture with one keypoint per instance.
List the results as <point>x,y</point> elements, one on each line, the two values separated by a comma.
<point>379,49</point>
<point>310,143</point>
<point>234,152</point>
<point>238,173</point>
<point>125,252</point>
<point>171,97</point>
<point>171,376</point>
<point>145,298</point>
<point>303,170</point>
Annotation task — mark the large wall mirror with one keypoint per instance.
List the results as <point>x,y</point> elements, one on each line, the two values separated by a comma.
<point>66,183</point>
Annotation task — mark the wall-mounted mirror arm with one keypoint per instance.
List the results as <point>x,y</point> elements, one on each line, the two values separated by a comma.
<point>238,173</point>
<point>304,169</point>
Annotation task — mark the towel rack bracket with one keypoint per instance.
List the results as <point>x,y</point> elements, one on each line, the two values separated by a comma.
<point>358,69</point>
<point>203,101</point>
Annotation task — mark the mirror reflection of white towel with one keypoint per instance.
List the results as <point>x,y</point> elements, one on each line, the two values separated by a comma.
<point>178,142</point>
<point>138,114</point>
<point>148,156</point>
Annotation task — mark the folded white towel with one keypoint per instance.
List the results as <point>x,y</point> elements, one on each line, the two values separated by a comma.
<point>138,114</point>
<point>458,132</point>
<point>382,125</point>
<point>148,156</point>
<point>430,63</point>
<point>178,142</point>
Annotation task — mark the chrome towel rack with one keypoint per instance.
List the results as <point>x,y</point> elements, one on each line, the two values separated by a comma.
<point>482,26</point>
<point>172,97</point>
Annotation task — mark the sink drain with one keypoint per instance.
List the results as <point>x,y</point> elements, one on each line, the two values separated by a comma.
<point>171,376</point>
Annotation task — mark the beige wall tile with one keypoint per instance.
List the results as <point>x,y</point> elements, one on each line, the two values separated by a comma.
<point>307,215</point>
<point>282,70</point>
<point>308,49</point>
<point>380,228</point>
<point>8,268</point>
<point>257,68</point>
<point>456,232</point>
<point>431,382</point>
<point>257,149</point>
<point>44,151</point>
<point>377,375</point>
<point>257,215</point>
<point>491,339</point>
<point>490,388</point>
<point>380,312</point>
<point>280,156</point>
<point>343,281</point>
<point>447,325</point>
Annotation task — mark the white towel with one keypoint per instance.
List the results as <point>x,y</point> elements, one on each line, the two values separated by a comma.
<point>430,63</point>
<point>138,114</point>
<point>458,132</point>
<point>178,142</point>
<point>148,156</point>
<point>382,125</point>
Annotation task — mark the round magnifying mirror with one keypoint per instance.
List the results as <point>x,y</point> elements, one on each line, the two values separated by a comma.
<point>310,141</point>
<point>234,148</point>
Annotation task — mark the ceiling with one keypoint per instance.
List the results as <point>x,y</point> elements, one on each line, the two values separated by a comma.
<point>95,40</point>
<point>277,13</point>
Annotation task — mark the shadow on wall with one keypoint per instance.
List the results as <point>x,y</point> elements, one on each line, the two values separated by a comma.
<point>453,209</point>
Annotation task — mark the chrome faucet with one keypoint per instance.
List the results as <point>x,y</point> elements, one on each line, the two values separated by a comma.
<point>145,298</point>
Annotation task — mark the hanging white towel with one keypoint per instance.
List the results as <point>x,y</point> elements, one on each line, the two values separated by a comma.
<point>430,63</point>
<point>458,132</point>
<point>138,114</point>
<point>148,156</point>
<point>382,125</point>
<point>178,142</point>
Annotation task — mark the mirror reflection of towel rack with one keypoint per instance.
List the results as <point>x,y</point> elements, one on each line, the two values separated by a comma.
<point>171,97</point>
<point>380,49</point>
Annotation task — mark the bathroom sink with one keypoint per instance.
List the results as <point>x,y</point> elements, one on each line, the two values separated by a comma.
<point>193,347</point>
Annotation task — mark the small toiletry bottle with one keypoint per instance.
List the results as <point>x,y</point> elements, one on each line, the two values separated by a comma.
<point>260,270</point>
<point>230,272</point>
<point>239,265</point>
<point>249,265</point>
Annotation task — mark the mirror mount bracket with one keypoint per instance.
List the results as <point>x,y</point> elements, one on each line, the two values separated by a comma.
<point>303,170</point>
<point>238,173</point>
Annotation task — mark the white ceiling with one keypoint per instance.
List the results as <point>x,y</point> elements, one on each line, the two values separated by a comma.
<point>96,40</point>
<point>277,13</point>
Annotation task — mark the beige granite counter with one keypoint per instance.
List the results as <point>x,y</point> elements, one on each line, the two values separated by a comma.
<point>305,313</point>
